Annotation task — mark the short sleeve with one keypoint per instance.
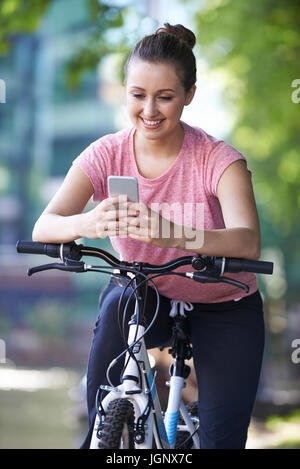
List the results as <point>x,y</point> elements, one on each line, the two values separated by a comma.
<point>92,163</point>
<point>220,157</point>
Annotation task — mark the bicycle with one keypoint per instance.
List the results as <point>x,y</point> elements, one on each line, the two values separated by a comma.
<point>130,415</point>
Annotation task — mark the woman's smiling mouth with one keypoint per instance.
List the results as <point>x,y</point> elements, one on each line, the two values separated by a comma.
<point>153,124</point>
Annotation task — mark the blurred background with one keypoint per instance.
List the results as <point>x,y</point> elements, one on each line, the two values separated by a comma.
<point>61,72</point>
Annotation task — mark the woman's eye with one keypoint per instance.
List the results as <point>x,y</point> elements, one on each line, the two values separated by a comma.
<point>140,96</point>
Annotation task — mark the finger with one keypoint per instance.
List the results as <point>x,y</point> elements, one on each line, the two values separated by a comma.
<point>139,206</point>
<point>113,202</point>
<point>137,231</point>
<point>136,237</point>
<point>114,226</point>
<point>133,221</point>
<point>122,198</point>
<point>119,215</point>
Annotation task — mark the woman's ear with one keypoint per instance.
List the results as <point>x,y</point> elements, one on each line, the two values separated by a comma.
<point>189,95</point>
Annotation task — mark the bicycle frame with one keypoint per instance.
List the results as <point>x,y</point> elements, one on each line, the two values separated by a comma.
<point>137,382</point>
<point>145,399</point>
<point>140,400</point>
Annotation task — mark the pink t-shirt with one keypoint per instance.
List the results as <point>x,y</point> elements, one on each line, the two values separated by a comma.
<point>185,193</point>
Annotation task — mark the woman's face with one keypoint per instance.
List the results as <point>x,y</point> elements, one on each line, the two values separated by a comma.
<point>155,98</point>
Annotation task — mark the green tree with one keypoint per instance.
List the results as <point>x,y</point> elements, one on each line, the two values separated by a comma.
<point>19,17</point>
<point>257,44</point>
<point>104,19</point>
<point>109,29</point>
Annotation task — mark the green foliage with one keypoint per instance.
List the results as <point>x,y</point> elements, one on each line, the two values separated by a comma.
<point>288,444</point>
<point>106,36</point>
<point>256,45</point>
<point>19,17</point>
<point>274,420</point>
<point>43,419</point>
<point>289,426</point>
<point>49,319</point>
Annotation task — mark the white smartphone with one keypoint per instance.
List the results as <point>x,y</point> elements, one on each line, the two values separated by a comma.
<point>123,185</point>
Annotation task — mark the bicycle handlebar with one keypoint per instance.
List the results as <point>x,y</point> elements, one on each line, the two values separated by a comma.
<point>244,265</point>
<point>70,250</point>
<point>215,265</point>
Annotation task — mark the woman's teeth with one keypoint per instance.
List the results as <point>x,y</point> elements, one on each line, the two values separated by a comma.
<point>151,122</point>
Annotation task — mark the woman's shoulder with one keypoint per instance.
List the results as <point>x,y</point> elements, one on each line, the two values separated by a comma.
<point>105,149</point>
<point>200,135</point>
<point>207,145</point>
<point>112,140</point>
<point>213,155</point>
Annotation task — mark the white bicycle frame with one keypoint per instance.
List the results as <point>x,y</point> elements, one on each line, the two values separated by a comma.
<point>163,429</point>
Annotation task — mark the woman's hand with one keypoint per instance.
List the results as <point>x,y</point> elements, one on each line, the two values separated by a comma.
<point>116,216</point>
<point>149,226</point>
<point>109,218</point>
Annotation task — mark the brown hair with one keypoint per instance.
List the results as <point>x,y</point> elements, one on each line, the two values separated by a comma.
<point>172,44</point>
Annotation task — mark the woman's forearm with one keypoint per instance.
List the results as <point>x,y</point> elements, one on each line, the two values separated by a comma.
<point>227,242</point>
<point>53,228</point>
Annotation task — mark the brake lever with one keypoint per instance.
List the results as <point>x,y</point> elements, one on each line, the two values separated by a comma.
<point>204,278</point>
<point>69,266</point>
<point>235,283</point>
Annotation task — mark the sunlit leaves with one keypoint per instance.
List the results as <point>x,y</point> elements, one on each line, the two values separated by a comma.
<point>17,17</point>
<point>263,63</point>
<point>108,34</point>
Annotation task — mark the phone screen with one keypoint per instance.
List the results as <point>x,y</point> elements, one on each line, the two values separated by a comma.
<point>124,185</point>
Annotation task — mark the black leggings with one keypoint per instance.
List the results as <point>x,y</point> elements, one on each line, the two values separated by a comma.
<point>228,343</point>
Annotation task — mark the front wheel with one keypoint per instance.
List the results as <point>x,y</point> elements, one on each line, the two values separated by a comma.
<point>117,429</point>
<point>184,439</point>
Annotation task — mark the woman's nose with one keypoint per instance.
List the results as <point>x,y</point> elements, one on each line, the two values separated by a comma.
<point>150,108</point>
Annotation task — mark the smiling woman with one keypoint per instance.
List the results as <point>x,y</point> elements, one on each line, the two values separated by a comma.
<point>176,165</point>
<point>155,101</point>
<point>157,95</point>
<point>155,110</point>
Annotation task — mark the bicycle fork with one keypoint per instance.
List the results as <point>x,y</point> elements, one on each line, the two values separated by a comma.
<point>179,371</point>
<point>149,389</point>
<point>172,413</point>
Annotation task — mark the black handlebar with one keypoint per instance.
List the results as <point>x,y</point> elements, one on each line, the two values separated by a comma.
<point>58,251</point>
<point>29,247</point>
<point>216,265</point>
<point>244,265</point>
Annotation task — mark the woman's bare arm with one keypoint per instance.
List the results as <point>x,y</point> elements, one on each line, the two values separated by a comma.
<point>63,221</point>
<point>241,236</point>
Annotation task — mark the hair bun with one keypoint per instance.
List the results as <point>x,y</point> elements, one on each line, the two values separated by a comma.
<point>180,32</point>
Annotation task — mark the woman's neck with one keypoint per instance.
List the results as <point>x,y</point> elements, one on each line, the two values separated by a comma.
<point>167,147</point>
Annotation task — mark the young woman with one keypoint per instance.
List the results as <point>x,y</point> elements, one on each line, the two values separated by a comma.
<point>201,185</point>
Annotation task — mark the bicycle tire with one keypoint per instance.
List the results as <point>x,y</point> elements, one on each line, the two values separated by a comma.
<point>181,436</point>
<point>117,429</point>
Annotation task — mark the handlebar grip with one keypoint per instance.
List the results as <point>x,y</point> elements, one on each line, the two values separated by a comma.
<point>248,265</point>
<point>66,250</point>
<point>32,247</point>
